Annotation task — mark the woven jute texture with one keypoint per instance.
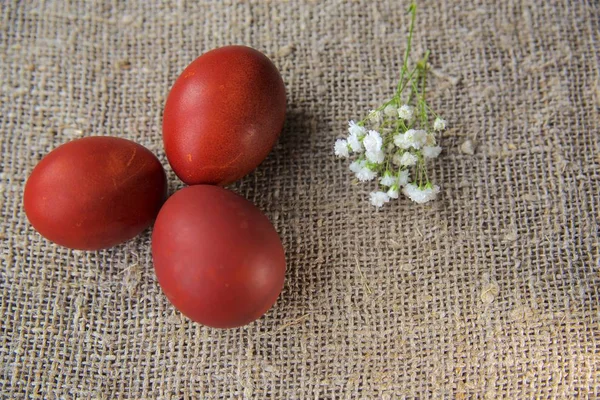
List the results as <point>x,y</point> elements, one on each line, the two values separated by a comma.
<point>490,292</point>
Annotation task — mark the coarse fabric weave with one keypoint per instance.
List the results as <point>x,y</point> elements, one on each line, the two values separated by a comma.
<point>489,292</point>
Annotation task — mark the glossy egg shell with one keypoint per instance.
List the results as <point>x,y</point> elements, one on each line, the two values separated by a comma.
<point>95,192</point>
<point>217,257</point>
<point>223,115</point>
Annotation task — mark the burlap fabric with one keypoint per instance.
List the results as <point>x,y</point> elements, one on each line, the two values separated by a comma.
<point>489,292</point>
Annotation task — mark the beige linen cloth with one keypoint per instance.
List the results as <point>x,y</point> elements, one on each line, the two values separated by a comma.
<point>490,292</point>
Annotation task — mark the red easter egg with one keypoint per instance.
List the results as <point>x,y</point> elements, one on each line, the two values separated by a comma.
<point>217,257</point>
<point>223,115</point>
<point>95,192</point>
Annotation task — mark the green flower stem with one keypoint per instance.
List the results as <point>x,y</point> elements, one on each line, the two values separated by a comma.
<point>423,85</point>
<point>431,111</point>
<point>408,80</point>
<point>412,9</point>
<point>424,166</point>
<point>402,124</point>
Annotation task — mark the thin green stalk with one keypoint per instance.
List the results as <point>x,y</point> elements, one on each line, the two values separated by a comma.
<point>413,11</point>
<point>425,170</point>
<point>424,84</point>
<point>406,82</point>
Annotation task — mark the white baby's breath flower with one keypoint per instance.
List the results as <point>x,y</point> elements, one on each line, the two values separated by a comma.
<point>408,159</point>
<point>341,148</point>
<point>373,142</point>
<point>406,112</point>
<point>393,192</point>
<point>355,143</point>
<point>378,199</point>
<point>439,124</point>
<point>375,117</point>
<point>431,151</point>
<point>388,179</point>
<point>376,157</point>
<point>396,160</point>
<point>403,177</point>
<point>416,138</point>
<point>421,195</point>
<point>357,165</point>
<point>411,138</point>
<point>401,141</point>
<point>366,174</point>
<point>390,110</point>
<point>355,129</point>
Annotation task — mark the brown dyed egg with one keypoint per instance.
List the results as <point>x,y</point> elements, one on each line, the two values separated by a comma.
<point>223,115</point>
<point>95,192</point>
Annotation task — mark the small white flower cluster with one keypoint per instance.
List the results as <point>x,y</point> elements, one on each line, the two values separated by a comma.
<point>396,140</point>
<point>392,149</point>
